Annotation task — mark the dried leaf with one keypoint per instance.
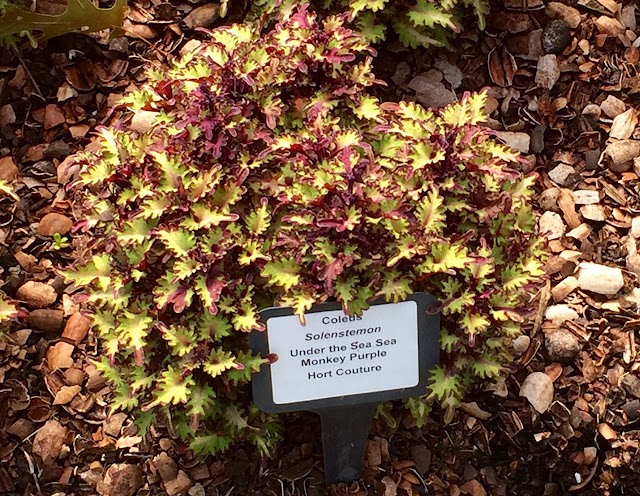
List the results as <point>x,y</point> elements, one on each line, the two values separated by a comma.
<point>80,16</point>
<point>502,66</point>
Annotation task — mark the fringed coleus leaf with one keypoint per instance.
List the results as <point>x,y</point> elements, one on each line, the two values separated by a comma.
<point>271,177</point>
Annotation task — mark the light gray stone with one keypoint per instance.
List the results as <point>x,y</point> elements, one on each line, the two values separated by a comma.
<point>600,278</point>
<point>586,197</point>
<point>559,313</point>
<point>538,389</point>
<point>561,173</point>
<point>635,227</point>
<point>552,225</point>
<point>516,140</point>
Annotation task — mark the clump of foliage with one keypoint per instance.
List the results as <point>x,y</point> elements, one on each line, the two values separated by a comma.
<point>271,177</point>
<point>417,22</point>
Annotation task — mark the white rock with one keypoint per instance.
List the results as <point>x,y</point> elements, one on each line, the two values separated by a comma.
<point>581,232</point>
<point>613,106</point>
<point>518,141</point>
<point>548,71</point>
<point>559,313</point>
<point>594,212</point>
<point>635,227</point>
<point>538,389</point>
<point>586,197</point>
<point>551,223</point>
<point>521,344</point>
<point>561,173</point>
<point>600,278</point>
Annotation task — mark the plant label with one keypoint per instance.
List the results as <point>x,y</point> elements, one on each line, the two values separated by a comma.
<point>342,367</point>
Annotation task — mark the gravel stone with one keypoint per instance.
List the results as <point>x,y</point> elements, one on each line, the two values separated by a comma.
<point>521,344</point>
<point>37,294</point>
<point>562,345</point>
<point>560,313</point>
<point>564,288</point>
<point>551,223</point>
<point>538,389</point>
<point>635,227</point>
<point>561,173</point>
<point>516,140</point>
<point>121,479</point>
<point>596,213</point>
<point>600,278</point>
<point>549,199</point>
<point>556,36</point>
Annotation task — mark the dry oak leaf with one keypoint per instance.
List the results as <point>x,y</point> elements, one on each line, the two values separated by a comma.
<point>81,16</point>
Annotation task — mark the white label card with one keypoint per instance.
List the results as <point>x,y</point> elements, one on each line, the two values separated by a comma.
<point>337,355</point>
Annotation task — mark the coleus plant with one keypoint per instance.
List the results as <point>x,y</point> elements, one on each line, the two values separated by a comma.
<point>272,176</point>
<point>416,22</point>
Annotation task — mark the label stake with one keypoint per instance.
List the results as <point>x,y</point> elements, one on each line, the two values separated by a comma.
<point>343,367</point>
<point>344,440</point>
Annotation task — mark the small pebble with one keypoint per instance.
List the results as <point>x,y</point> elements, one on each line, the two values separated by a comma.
<point>556,36</point>
<point>561,345</point>
<point>521,344</point>
<point>552,225</point>
<point>600,279</point>
<point>57,149</point>
<point>559,313</point>
<point>561,173</point>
